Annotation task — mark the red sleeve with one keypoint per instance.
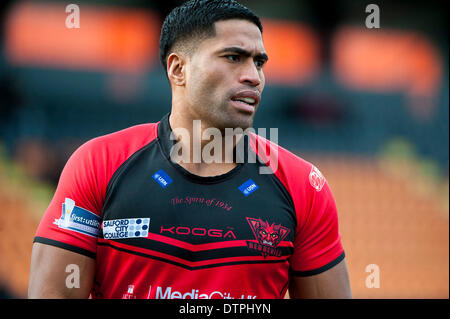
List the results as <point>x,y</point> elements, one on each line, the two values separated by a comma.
<point>317,241</point>
<point>73,218</point>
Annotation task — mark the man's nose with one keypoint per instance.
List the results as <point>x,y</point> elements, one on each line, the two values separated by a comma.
<point>250,75</point>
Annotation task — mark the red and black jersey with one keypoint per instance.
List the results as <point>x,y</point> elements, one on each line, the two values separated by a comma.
<point>158,231</point>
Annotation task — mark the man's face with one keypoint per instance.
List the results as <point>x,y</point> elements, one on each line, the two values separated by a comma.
<point>224,77</point>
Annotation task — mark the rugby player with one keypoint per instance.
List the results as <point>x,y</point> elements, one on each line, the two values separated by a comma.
<point>136,223</point>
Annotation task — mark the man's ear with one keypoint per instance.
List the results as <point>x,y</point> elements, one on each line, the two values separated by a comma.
<point>176,68</point>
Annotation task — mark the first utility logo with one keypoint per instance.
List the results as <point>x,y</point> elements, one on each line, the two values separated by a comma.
<point>78,219</point>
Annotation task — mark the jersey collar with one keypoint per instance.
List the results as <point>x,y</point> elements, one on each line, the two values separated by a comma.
<point>164,131</point>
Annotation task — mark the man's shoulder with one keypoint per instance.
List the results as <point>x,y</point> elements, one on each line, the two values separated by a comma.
<point>295,173</point>
<point>278,157</point>
<point>302,179</point>
<point>140,133</point>
<point>126,139</point>
<point>118,146</point>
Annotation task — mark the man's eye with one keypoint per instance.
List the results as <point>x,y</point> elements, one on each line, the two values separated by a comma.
<point>233,57</point>
<point>259,64</point>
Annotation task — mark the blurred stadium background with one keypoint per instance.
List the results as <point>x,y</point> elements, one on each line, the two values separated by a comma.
<point>368,106</point>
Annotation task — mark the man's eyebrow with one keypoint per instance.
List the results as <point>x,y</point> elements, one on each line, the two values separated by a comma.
<point>238,50</point>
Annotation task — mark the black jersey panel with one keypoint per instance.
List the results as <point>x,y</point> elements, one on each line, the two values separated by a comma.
<point>239,205</point>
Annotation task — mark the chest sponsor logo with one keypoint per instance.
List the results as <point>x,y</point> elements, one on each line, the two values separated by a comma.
<point>248,187</point>
<point>129,294</point>
<point>78,219</point>
<point>162,178</point>
<point>126,228</point>
<point>268,237</point>
<point>197,231</point>
<point>170,293</point>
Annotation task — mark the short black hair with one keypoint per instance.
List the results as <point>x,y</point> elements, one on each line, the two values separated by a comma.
<point>196,18</point>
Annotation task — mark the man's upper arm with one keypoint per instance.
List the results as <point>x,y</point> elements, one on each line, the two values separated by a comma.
<point>67,233</point>
<point>318,267</point>
<point>59,273</point>
<point>333,283</point>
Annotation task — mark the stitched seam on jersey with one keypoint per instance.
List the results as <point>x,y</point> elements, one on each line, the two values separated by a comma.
<point>113,180</point>
<point>319,270</point>
<point>291,201</point>
<point>285,190</point>
<point>60,244</point>
<point>282,289</point>
<point>277,181</point>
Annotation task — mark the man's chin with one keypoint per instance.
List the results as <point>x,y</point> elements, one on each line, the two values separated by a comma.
<point>229,117</point>
<point>239,119</point>
<point>242,121</point>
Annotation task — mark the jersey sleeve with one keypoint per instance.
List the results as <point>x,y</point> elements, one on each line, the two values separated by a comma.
<point>317,240</point>
<point>72,220</point>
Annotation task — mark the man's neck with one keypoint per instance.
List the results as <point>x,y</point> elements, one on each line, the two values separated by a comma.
<point>201,151</point>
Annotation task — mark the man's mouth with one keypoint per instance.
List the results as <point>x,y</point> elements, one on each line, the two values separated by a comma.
<point>246,101</point>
